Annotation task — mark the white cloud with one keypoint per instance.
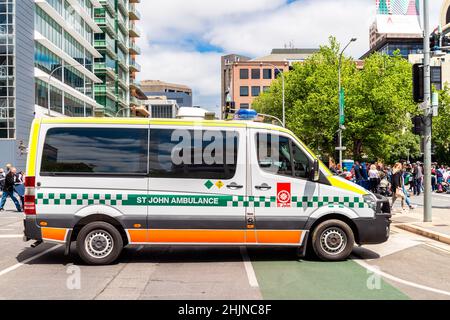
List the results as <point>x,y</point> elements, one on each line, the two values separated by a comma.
<point>175,31</point>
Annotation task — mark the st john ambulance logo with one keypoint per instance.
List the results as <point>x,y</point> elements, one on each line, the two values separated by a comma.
<point>284,198</point>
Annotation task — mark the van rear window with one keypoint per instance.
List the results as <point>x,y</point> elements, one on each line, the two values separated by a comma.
<point>95,151</point>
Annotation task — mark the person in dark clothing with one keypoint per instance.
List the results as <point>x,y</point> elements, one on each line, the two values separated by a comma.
<point>397,185</point>
<point>8,190</point>
<point>358,172</point>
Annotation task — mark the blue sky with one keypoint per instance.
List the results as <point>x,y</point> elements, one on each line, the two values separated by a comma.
<point>182,40</point>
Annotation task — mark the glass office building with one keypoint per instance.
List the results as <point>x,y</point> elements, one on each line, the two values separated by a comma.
<point>44,43</point>
<point>64,56</point>
<point>117,67</point>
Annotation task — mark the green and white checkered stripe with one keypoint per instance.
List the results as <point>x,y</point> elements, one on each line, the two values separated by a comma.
<point>84,199</point>
<point>79,199</point>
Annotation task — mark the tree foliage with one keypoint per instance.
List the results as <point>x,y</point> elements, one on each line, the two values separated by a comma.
<point>441,128</point>
<point>378,100</point>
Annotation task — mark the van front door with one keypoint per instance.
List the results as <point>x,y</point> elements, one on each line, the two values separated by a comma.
<point>284,197</point>
<point>197,185</point>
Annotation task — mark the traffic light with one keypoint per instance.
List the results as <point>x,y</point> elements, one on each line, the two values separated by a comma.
<point>418,90</point>
<point>418,125</point>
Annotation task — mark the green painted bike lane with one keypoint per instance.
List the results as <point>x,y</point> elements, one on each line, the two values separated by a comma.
<point>316,280</point>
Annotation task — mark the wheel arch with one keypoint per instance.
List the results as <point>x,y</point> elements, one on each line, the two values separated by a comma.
<point>98,217</point>
<point>313,223</point>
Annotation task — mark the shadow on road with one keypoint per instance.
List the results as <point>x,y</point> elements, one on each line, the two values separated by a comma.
<point>182,254</point>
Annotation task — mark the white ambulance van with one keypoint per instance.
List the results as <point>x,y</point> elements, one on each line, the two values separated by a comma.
<point>106,183</point>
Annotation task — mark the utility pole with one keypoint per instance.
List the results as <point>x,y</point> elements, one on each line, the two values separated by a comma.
<point>427,115</point>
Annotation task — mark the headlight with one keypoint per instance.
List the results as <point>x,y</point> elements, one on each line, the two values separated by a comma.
<point>371,200</point>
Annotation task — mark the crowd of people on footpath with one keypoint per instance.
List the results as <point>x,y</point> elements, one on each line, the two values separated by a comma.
<point>12,183</point>
<point>399,181</point>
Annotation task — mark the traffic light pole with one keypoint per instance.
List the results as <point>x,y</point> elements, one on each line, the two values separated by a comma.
<point>428,116</point>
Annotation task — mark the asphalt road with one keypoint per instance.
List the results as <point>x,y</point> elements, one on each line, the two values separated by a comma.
<point>406,267</point>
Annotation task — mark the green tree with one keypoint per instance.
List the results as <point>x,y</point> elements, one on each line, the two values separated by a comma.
<point>378,110</point>
<point>441,128</point>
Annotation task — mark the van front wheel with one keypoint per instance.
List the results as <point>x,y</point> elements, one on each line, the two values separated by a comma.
<point>99,243</point>
<point>333,240</point>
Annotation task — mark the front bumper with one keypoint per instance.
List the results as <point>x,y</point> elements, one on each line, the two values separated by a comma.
<point>31,230</point>
<point>375,230</point>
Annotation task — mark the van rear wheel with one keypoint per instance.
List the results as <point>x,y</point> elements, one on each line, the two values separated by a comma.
<point>99,243</point>
<point>333,240</point>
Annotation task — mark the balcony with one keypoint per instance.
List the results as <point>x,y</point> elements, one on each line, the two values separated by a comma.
<point>134,49</point>
<point>102,90</point>
<point>122,7</point>
<point>122,83</point>
<point>134,66</point>
<point>105,45</point>
<point>134,31</point>
<point>109,5</point>
<point>122,24</point>
<point>101,67</point>
<point>107,24</point>
<point>133,13</point>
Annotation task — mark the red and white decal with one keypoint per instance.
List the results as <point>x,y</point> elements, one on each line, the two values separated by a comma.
<point>284,198</point>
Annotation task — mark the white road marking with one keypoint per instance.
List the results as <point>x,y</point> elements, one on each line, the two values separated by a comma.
<point>252,280</point>
<point>398,280</point>
<point>6,229</point>
<point>18,265</point>
<point>10,236</point>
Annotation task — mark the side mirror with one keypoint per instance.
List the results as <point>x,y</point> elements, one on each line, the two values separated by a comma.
<point>315,171</point>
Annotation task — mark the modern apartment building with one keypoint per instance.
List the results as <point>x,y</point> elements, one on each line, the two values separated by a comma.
<point>44,43</point>
<point>244,79</point>
<point>117,66</point>
<point>161,107</point>
<point>180,93</point>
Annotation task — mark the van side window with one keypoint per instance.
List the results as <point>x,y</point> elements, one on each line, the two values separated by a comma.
<point>95,151</point>
<point>279,155</point>
<point>274,155</point>
<point>193,154</point>
<point>301,162</point>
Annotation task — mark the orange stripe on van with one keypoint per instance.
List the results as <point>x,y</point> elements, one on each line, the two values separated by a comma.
<point>55,234</point>
<point>196,236</point>
<point>138,236</point>
<point>279,236</point>
<point>250,236</point>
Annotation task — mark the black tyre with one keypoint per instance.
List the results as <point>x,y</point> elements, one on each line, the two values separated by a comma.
<point>332,240</point>
<point>99,243</point>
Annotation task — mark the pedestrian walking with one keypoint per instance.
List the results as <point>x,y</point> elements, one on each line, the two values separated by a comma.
<point>2,178</point>
<point>418,176</point>
<point>19,187</point>
<point>8,190</point>
<point>397,188</point>
<point>374,178</point>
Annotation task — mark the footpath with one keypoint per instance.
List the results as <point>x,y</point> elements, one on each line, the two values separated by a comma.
<point>412,221</point>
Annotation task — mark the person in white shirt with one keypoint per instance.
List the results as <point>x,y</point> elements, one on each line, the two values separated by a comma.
<point>374,178</point>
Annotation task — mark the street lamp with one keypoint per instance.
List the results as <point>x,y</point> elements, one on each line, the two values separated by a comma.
<point>50,78</point>
<point>283,87</point>
<point>341,126</point>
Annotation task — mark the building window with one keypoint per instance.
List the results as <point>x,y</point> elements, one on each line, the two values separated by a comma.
<point>267,74</point>
<point>244,106</point>
<point>7,64</point>
<point>243,73</point>
<point>256,74</point>
<point>266,88</point>
<point>243,91</point>
<point>277,72</point>
<point>256,91</point>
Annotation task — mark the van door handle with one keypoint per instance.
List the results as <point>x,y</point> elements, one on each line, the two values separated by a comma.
<point>234,186</point>
<point>263,187</point>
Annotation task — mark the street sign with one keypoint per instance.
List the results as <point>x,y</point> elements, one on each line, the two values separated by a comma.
<point>341,148</point>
